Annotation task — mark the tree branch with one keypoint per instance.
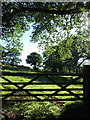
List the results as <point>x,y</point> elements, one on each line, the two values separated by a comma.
<point>21,10</point>
<point>59,12</point>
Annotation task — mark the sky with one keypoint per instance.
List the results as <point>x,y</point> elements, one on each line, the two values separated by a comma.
<point>28,46</point>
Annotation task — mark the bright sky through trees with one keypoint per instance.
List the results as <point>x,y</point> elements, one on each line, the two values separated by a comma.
<point>53,25</point>
<point>28,46</point>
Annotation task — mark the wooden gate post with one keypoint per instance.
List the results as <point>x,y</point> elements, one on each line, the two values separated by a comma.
<point>86,85</point>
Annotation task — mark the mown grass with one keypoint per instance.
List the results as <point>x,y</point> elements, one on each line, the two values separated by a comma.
<point>37,110</point>
<point>23,79</point>
<point>40,80</point>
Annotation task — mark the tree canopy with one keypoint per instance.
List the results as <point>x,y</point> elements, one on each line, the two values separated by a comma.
<point>11,51</point>
<point>18,14</point>
<point>34,59</point>
<point>62,24</point>
<point>53,60</point>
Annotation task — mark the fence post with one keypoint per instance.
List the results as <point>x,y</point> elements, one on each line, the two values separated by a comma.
<point>86,88</point>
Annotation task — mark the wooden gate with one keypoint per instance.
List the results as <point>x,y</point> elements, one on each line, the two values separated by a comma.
<point>42,87</point>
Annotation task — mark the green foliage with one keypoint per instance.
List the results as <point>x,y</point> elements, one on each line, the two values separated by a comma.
<point>39,110</point>
<point>34,59</point>
<point>53,23</point>
<point>53,61</point>
<point>11,51</point>
<point>16,15</point>
<point>69,50</point>
<point>33,110</point>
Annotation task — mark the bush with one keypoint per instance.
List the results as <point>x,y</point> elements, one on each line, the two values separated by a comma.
<point>32,110</point>
<point>73,111</point>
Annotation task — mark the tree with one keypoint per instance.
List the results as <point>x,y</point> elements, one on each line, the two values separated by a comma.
<point>34,59</point>
<point>65,56</point>
<point>53,23</point>
<point>11,50</point>
<point>52,61</point>
<point>46,16</point>
<point>18,14</point>
<point>11,57</point>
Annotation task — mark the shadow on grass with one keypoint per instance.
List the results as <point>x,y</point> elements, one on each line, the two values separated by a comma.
<point>43,79</point>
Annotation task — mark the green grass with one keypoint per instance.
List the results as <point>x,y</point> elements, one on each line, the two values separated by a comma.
<point>40,80</point>
<point>37,110</point>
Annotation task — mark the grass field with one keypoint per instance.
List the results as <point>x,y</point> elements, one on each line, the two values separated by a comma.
<point>36,110</point>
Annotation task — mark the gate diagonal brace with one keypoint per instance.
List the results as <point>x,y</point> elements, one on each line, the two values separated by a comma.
<point>11,92</point>
<point>19,88</point>
<point>77,96</point>
<point>30,81</point>
<point>56,84</point>
<point>69,91</point>
<point>9,81</point>
<point>28,84</point>
<point>63,88</point>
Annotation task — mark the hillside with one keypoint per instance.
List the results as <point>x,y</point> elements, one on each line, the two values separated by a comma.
<point>16,68</point>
